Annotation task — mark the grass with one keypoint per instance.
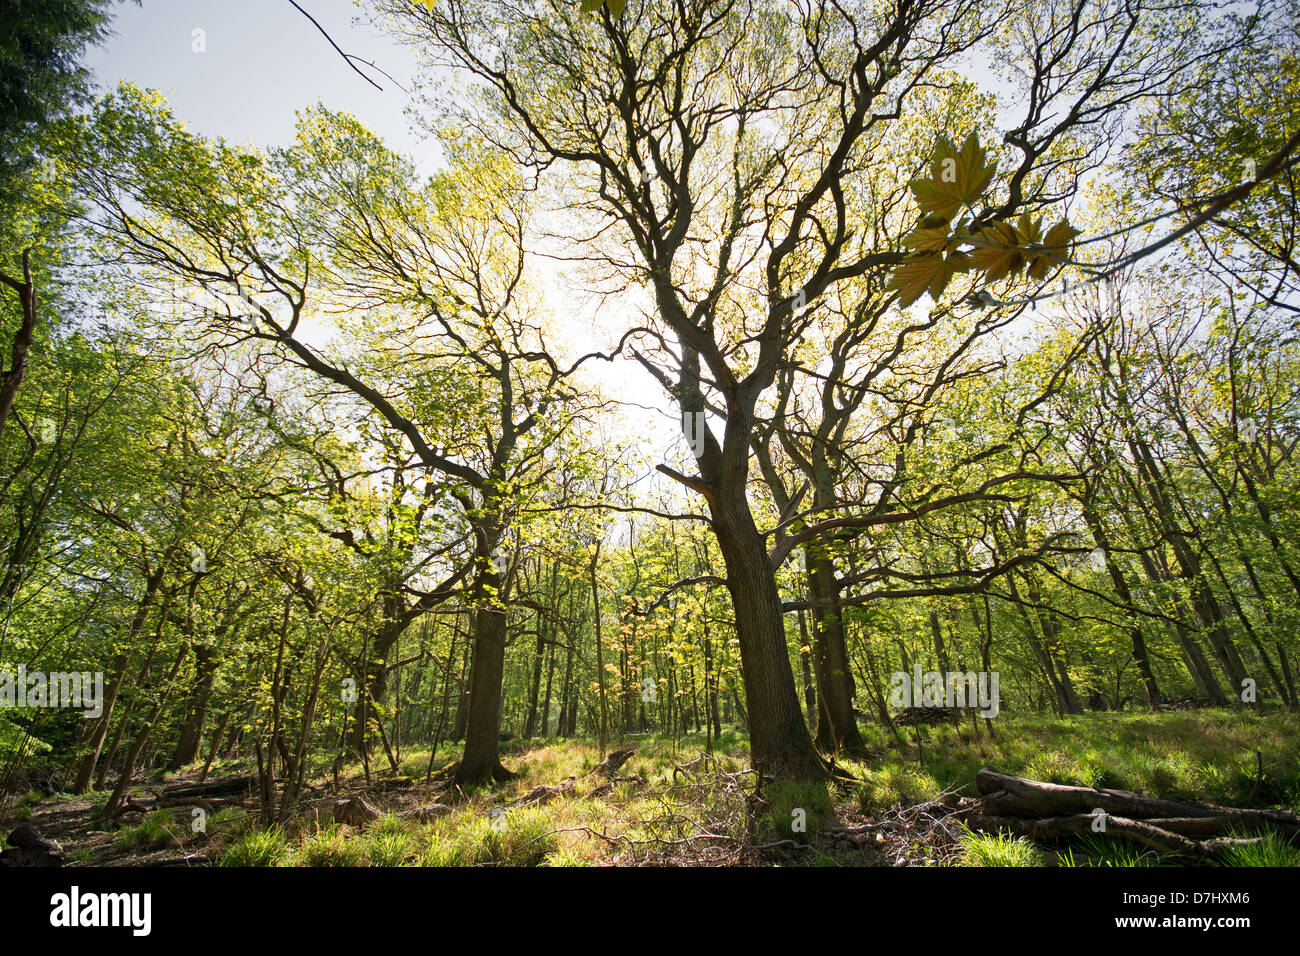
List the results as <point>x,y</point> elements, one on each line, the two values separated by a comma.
<point>390,849</point>
<point>1270,851</point>
<point>891,784</point>
<point>155,831</point>
<point>797,809</point>
<point>984,849</point>
<point>259,847</point>
<point>228,820</point>
<point>522,837</point>
<point>1197,756</point>
<point>1095,850</point>
<point>484,830</point>
<point>1211,755</point>
<point>330,846</point>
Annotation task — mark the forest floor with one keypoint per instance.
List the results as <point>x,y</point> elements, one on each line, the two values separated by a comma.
<point>671,803</point>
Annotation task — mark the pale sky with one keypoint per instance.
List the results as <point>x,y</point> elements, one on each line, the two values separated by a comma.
<point>263,61</point>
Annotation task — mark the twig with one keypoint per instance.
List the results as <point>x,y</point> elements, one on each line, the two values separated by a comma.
<point>347,58</point>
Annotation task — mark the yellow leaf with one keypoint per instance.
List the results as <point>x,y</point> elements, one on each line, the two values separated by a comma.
<point>938,199</point>
<point>974,173</point>
<point>1055,249</point>
<point>1039,266</point>
<point>958,177</point>
<point>997,253</point>
<point>1058,239</point>
<point>929,272</point>
<point>928,240</point>
<point>1028,230</point>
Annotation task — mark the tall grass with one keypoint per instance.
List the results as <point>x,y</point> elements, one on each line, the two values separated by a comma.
<point>998,849</point>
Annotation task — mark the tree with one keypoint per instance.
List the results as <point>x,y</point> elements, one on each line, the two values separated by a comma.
<point>341,221</point>
<point>40,79</point>
<point>719,148</point>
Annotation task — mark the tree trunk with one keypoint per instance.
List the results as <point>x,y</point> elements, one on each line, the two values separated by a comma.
<point>462,682</point>
<point>535,683</point>
<point>564,726</point>
<point>777,734</point>
<point>546,702</point>
<point>1136,639</point>
<point>13,377</point>
<point>837,726</point>
<point>805,664</point>
<point>196,709</point>
<point>481,761</point>
<point>86,771</point>
<point>128,768</point>
<point>600,645</point>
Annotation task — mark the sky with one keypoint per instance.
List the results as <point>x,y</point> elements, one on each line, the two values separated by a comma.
<point>241,68</point>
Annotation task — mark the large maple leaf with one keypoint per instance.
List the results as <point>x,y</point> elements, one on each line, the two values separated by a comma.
<point>958,177</point>
<point>929,272</point>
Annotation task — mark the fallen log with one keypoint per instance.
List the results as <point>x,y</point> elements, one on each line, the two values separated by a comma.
<point>1217,825</point>
<point>611,764</point>
<point>1007,795</point>
<point>224,787</point>
<point>544,794</point>
<point>1052,812</point>
<point>1142,832</point>
<point>354,812</point>
<point>132,804</point>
